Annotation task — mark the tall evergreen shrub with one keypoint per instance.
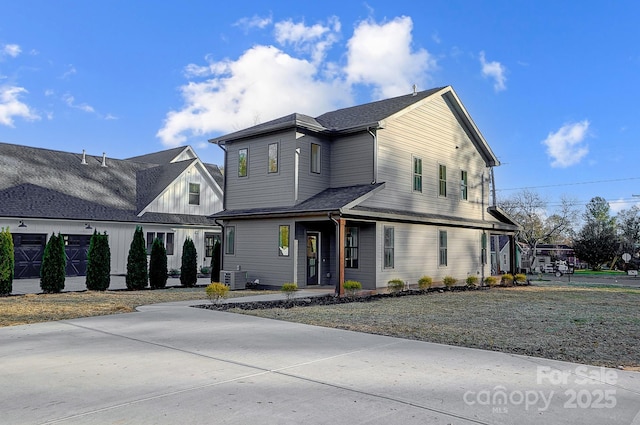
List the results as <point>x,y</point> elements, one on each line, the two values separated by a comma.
<point>158,265</point>
<point>54,262</point>
<point>6,262</point>
<point>215,262</point>
<point>99,263</point>
<point>189,267</point>
<point>137,275</point>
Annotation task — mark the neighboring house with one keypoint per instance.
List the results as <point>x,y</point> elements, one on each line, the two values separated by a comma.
<point>546,256</point>
<point>169,193</point>
<point>397,188</point>
<point>501,257</point>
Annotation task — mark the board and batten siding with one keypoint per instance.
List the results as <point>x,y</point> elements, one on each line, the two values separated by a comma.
<point>416,253</point>
<point>175,199</point>
<point>352,160</point>
<point>256,251</point>
<point>259,187</point>
<point>432,133</point>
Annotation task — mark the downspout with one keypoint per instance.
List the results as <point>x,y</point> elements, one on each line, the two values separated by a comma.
<point>224,179</point>
<point>375,155</point>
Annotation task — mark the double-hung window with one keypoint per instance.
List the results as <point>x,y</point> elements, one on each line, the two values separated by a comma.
<point>351,248</point>
<point>389,243</point>
<point>194,193</point>
<point>464,186</point>
<point>165,238</point>
<point>230,240</point>
<point>442,180</point>
<point>417,174</point>
<point>442,245</point>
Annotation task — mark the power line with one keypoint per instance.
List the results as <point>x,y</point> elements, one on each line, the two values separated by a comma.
<point>570,184</point>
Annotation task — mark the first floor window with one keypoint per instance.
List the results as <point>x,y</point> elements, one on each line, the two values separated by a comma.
<point>483,252</point>
<point>168,243</point>
<point>389,247</point>
<point>442,243</point>
<point>417,174</point>
<point>194,193</point>
<point>209,243</point>
<point>230,240</point>
<point>283,241</point>
<point>464,194</point>
<point>351,248</point>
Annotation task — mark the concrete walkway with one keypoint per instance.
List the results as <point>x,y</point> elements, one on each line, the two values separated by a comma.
<point>172,364</point>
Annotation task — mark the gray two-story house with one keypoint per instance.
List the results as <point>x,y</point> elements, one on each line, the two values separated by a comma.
<point>397,188</point>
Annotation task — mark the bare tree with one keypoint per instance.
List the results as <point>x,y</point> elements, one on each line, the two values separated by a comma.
<point>530,211</point>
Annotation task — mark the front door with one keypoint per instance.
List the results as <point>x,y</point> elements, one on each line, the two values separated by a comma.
<point>313,267</point>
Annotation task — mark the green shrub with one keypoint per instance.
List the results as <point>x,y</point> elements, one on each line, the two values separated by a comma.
<point>98,263</point>
<point>289,289</point>
<point>215,261</point>
<point>158,274</point>
<point>449,281</point>
<point>216,291</point>
<point>7,262</point>
<point>137,274</point>
<point>189,267</point>
<point>491,281</point>
<point>507,279</point>
<point>395,285</point>
<point>425,282</point>
<point>54,263</point>
<point>520,278</point>
<point>472,281</point>
<point>351,287</point>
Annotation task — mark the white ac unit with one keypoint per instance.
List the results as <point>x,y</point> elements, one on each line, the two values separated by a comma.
<point>234,279</point>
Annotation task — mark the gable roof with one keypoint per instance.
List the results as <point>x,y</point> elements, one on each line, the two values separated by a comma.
<point>43,183</point>
<point>162,157</point>
<point>367,116</point>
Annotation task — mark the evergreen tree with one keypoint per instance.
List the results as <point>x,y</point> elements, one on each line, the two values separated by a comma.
<point>137,274</point>
<point>54,262</point>
<point>215,262</point>
<point>597,241</point>
<point>6,262</point>
<point>189,267</point>
<point>99,263</point>
<point>158,265</point>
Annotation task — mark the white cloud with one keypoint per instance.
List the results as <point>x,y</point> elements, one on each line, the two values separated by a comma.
<point>381,55</point>
<point>11,106</point>
<point>316,39</point>
<point>494,70</point>
<point>71,102</point>
<point>253,22</point>
<point>566,146</point>
<point>12,50</point>
<point>267,82</point>
<point>69,72</point>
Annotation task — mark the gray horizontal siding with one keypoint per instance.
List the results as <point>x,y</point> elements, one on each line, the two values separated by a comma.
<point>352,160</point>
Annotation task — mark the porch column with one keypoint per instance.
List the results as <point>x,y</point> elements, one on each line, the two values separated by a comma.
<point>512,254</point>
<point>341,225</point>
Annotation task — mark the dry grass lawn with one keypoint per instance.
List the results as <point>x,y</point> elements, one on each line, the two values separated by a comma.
<point>598,326</point>
<point>25,309</point>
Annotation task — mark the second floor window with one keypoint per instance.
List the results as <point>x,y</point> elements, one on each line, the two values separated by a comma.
<point>194,193</point>
<point>442,180</point>
<point>273,158</point>
<point>351,248</point>
<point>243,162</point>
<point>464,187</point>
<point>417,174</point>
<point>315,158</point>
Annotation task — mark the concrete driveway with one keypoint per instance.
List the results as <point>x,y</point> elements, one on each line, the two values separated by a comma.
<point>172,364</point>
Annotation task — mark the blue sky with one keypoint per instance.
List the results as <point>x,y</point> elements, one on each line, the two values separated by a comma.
<point>552,85</point>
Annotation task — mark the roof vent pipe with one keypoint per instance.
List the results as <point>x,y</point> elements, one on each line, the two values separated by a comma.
<point>84,157</point>
<point>104,159</point>
<point>415,89</point>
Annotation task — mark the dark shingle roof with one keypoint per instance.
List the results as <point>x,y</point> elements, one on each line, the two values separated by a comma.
<point>215,172</point>
<point>43,183</point>
<point>369,113</point>
<point>162,157</point>
<point>328,200</point>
